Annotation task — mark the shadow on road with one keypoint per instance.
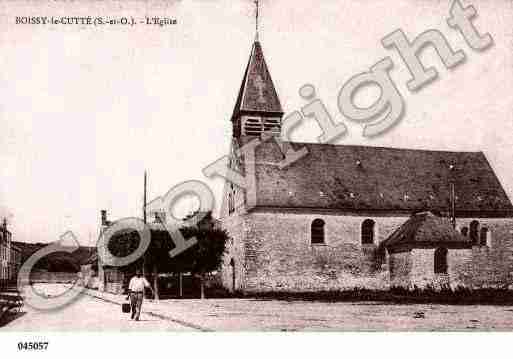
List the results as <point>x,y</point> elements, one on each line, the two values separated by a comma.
<point>8,317</point>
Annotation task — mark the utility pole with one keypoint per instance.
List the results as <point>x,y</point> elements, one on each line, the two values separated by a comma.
<point>180,284</point>
<point>453,209</point>
<point>144,199</point>
<point>154,269</point>
<point>144,220</point>
<point>453,197</point>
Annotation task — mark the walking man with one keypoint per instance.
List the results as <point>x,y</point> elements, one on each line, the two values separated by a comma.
<point>136,293</point>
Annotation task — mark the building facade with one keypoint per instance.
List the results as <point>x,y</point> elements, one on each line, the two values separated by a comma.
<point>326,222</point>
<point>10,257</point>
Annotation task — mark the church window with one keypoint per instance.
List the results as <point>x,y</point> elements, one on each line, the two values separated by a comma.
<point>441,261</point>
<point>474,230</point>
<point>317,231</point>
<point>483,237</point>
<point>368,231</point>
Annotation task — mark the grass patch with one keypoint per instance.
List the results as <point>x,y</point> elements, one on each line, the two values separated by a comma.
<point>458,296</point>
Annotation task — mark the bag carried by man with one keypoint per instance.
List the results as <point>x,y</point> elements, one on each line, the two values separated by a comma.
<point>125,307</point>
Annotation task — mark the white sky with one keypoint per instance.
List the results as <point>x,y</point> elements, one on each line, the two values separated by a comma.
<point>85,110</point>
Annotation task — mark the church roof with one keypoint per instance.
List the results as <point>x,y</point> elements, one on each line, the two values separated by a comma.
<point>425,230</point>
<point>257,92</point>
<point>343,177</point>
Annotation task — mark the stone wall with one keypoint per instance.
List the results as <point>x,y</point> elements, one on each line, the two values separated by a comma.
<point>479,267</point>
<point>492,265</point>
<point>234,225</point>
<point>272,251</point>
<point>459,269</point>
<point>400,265</point>
<point>279,255</point>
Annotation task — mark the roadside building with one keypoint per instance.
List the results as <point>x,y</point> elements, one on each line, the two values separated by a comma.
<point>10,257</point>
<point>158,267</point>
<point>115,279</point>
<point>14,263</point>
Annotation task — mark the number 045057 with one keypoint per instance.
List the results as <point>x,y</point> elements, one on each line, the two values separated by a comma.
<point>32,345</point>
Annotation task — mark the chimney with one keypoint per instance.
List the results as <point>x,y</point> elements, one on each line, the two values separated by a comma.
<point>104,217</point>
<point>160,217</point>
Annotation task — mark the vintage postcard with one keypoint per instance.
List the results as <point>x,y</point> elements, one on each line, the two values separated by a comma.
<point>255,166</point>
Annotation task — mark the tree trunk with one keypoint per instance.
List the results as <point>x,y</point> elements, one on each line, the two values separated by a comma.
<point>156,281</point>
<point>144,265</point>
<point>202,286</point>
<point>180,285</point>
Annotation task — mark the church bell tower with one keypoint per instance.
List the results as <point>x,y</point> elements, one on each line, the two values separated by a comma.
<point>258,108</point>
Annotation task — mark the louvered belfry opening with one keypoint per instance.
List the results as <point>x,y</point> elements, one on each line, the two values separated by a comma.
<point>256,126</point>
<point>253,127</point>
<point>272,125</point>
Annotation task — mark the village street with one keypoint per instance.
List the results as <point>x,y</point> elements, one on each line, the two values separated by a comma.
<point>85,314</point>
<point>101,312</point>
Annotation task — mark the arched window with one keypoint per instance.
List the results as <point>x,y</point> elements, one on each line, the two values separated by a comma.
<point>474,232</point>
<point>441,261</point>
<point>317,231</point>
<point>464,231</point>
<point>483,236</point>
<point>368,231</point>
<point>231,199</point>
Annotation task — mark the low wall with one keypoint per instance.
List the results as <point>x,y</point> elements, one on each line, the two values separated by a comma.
<point>53,277</point>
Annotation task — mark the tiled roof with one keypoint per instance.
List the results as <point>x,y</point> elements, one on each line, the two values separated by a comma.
<point>93,258</point>
<point>426,230</point>
<point>257,92</point>
<point>375,178</point>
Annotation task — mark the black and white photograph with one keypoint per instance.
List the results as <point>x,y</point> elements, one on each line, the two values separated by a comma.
<point>256,168</point>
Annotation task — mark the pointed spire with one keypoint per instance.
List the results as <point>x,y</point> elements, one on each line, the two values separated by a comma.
<point>257,92</point>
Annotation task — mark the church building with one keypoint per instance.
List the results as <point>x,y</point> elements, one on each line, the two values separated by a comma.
<point>345,217</point>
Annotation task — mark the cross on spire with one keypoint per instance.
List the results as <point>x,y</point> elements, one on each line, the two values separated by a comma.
<point>257,92</point>
<point>260,85</point>
<point>256,20</point>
